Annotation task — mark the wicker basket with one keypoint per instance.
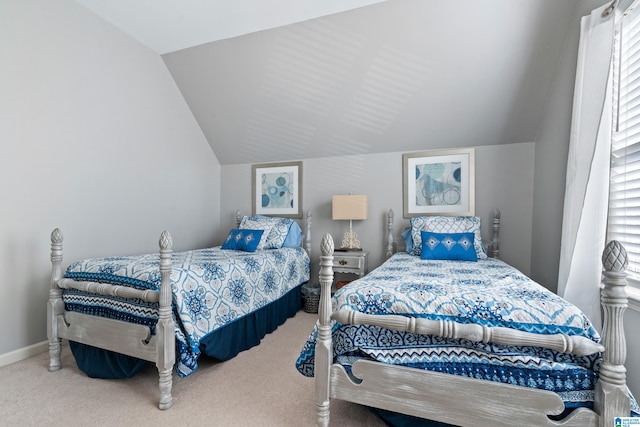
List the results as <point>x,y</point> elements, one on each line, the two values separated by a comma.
<point>311,303</point>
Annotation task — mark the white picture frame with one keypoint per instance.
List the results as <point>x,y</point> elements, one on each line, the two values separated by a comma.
<point>439,182</point>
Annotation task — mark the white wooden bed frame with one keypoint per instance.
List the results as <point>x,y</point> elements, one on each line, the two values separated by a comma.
<point>465,401</point>
<point>115,335</point>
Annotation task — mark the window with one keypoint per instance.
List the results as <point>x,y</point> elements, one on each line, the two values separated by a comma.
<point>624,187</point>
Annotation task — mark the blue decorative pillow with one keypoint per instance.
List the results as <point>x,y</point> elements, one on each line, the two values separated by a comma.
<point>447,224</point>
<point>243,240</point>
<point>276,229</point>
<point>449,246</point>
<point>408,240</point>
<point>294,238</point>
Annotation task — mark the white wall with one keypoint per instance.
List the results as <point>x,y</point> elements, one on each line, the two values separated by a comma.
<point>504,180</point>
<point>96,139</point>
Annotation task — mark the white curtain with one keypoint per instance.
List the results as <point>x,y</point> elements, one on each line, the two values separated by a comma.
<point>585,203</point>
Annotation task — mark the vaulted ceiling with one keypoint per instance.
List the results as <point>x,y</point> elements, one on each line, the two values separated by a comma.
<point>397,75</point>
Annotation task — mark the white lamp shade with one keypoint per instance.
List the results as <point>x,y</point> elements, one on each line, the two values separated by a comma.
<point>349,207</point>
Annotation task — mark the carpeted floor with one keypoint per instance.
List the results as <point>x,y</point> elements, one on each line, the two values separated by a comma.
<point>259,387</point>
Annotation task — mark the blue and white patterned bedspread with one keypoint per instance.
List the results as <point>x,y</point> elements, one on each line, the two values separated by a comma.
<point>211,288</point>
<point>488,292</point>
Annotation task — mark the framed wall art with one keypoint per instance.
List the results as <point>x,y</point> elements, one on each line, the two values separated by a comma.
<point>277,189</point>
<point>439,182</point>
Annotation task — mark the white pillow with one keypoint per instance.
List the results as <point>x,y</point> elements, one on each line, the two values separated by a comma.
<point>446,224</point>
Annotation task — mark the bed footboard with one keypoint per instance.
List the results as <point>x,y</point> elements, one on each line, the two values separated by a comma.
<point>409,391</point>
<point>115,335</point>
<point>580,346</point>
<point>451,399</point>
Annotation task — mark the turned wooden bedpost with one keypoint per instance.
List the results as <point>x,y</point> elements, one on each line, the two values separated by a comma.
<point>324,347</point>
<point>165,333</point>
<point>389,234</point>
<point>55,306</point>
<point>611,396</point>
<point>495,238</point>
<point>307,233</point>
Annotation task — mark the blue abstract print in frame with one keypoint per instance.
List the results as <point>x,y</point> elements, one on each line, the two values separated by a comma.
<point>277,189</point>
<point>439,183</point>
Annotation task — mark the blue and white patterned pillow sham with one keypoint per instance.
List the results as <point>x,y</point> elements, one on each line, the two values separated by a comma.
<point>446,224</point>
<point>448,246</point>
<point>275,229</point>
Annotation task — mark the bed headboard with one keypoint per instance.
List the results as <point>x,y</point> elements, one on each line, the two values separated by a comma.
<point>305,226</point>
<point>493,246</point>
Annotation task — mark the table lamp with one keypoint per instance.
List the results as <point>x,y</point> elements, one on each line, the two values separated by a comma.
<point>349,207</point>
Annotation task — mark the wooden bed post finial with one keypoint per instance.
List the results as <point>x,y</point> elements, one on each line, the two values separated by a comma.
<point>611,396</point>
<point>56,236</point>
<point>165,242</point>
<point>614,257</point>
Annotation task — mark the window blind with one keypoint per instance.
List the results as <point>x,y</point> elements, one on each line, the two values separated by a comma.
<point>624,187</point>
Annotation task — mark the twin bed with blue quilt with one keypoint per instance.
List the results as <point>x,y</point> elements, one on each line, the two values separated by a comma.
<point>443,332</point>
<point>122,313</point>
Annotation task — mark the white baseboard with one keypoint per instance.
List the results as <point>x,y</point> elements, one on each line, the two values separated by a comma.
<point>23,353</point>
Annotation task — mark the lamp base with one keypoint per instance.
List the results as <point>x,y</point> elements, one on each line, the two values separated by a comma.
<point>350,241</point>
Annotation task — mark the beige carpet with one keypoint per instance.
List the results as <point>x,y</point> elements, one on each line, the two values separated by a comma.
<point>259,387</point>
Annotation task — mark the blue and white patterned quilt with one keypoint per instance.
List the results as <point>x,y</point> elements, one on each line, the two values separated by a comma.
<point>487,292</point>
<point>211,288</point>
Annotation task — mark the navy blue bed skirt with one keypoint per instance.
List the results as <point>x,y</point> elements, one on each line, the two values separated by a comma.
<point>223,344</point>
<point>393,419</point>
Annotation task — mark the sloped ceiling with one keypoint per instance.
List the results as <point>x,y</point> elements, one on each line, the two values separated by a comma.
<point>170,25</point>
<point>399,75</point>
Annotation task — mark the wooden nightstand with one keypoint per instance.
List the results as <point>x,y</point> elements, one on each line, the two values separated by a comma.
<point>351,262</point>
